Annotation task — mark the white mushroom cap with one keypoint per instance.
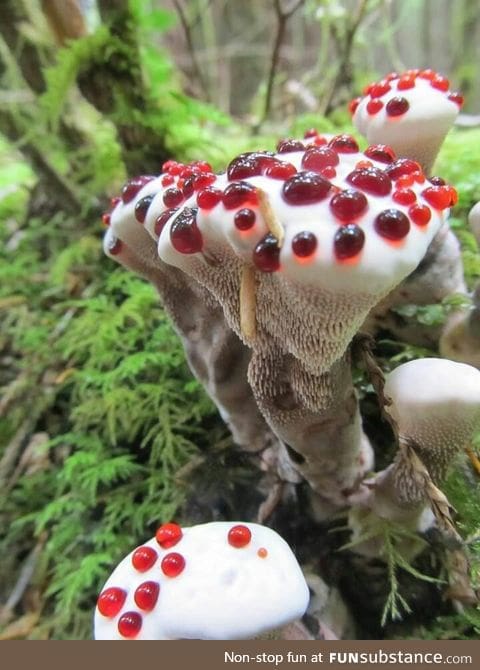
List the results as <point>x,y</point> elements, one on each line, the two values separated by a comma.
<point>436,403</point>
<point>232,581</point>
<point>474,221</point>
<point>411,112</point>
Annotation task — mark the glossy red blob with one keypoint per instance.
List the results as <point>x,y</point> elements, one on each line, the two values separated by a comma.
<point>288,146</point>
<point>167,165</point>
<point>353,104</point>
<point>437,181</point>
<point>106,219</point>
<point>328,172</point>
<point>132,187</point>
<point>239,193</point>
<point>372,180</point>
<point>391,76</point>
<point>280,170</point>
<point>266,255</point>
<point>168,535</point>
<point>311,132</point>
<point>110,601</point>
<point>439,197</point>
<point>185,235</point>
<point>304,244</point>
<point>419,177</point>
<point>203,180</point>
<point>405,181</point>
<point>203,166</point>
<point>141,208</point>
<point>305,188</point>
<point>348,241</point>
<point>441,83</point>
<point>146,595</point>
<point>457,98</point>
<point>187,188</point>
<point>404,83</point>
<point>114,202</point>
<point>318,158</point>
<point>188,172</point>
<point>244,219</point>
<point>377,90</point>
<point>239,536</point>
<point>374,106</point>
<point>392,224</point>
<point>397,106</point>
<point>162,220</point>
<point>453,195</point>
<point>427,74</point>
<point>420,214</point>
<point>381,153</point>
<point>404,196</point>
<point>173,564</point>
<point>344,144</point>
<point>175,168</point>
<point>144,558</point>
<point>167,180</point>
<point>320,141</point>
<point>348,205</point>
<point>115,246</point>
<point>401,167</point>
<point>130,624</point>
<point>172,197</point>
<point>209,197</point>
<point>250,164</point>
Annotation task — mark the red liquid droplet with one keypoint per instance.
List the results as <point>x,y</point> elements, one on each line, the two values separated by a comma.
<point>348,205</point>
<point>288,146</point>
<point>144,558</point>
<point>405,182</point>
<point>353,104</point>
<point>130,624</point>
<point>266,255</point>
<point>244,219</point>
<point>172,197</point>
<point>438,197</point>
<point>305,188</point>
<point>392,76</point>
<point>401,167</point>
<point>320,141</point>
<point>453,195</point>
<point>397,106</point>
<point>420,214</point>
<point>404,196</point>
<point>175,169</point>
<point>162,220</point>
<point>374,106</point>
<point>209,197</point>
<point>441,83</point>
<point>114,246</point>
<point>392,224</point>
<point>437,181</point>
<point>188,172</point>
<point>344,144</point>
<point>173,564</point>
<point>377,90</point>
<point>114,202</point>
<point>132,187</point>
<point>167,180</point>
<point>110,601</point>
<point>203,166</point>
<point>427,74</point>
<point>348,241</point>
<point>239,536</point>
<point>168,535</point>
<point>106,219</point>
<point>187,188</point>
<point>262,552</point>
<point>381,153</point>
<point>457,98</point>
<point>364,164</point>
<point>141,208</point>
<point>318,158</point>
<point>280,170</point>
<point>311,132</point>
<point>419,177</point>
<point>404,83</point>
<point>184,233</point>
<point>167,165</point>
<point>304,244</point>
<point>372,180</point>
<point>328,172</point>
<point>203,180</point>
<point>146,595</point>
<point>239,193</point>
<point>250,164</point>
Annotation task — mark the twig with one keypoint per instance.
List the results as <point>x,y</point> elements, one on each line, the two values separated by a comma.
<point>187,29</point>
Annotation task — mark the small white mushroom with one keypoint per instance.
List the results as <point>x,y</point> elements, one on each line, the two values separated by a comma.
<point>221,580</point>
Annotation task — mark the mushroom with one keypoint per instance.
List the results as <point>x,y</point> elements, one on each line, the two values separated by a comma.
<point>220,580</point>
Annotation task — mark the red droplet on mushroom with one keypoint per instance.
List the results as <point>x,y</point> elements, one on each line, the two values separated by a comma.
<point>187,188</point>
<point>141,208</point>
<point>438,197</point>
<point>404,196</point>
<point>288,146</point>
<point>132,187</point>
<point>328,172</point>
<point>111,601</point>
<point>419,177</point>
<point>353,104</point>
<point>364,164</point>
<point>173,564</point>
<point>239,193</point>
<point>374,106</point>
<point>172,197</point>
<point>203,180</point>
<point>146,595</point>
<point>280,170</point>
<point>239,536</point>
<point>188,172</point>
<point>262,552</point>
<point>453,195</point>
<point>377,90</point>
<point>397,106</point>
<point>167,165</point>
<point>114,202</point>
<point>392,224</point>
<point>381,153</point>
<point>348,241</point>
<point>437,181</point>
<point>372,180</point>
<point>114,246</point>
<point>209,197</point>
<point>344,144</point>
<point>457,98</point>
<point>167,180</point>
<point>305,188</point>
<point>106,218</point>
<point>348,204</point>
<point>406,82</point>
<point>162,220</point>
<point>420,214</point>
<point>405,182</point>
<point>441,83</point>
<point>168,535</point>
<point>392,76</point>
<point>304,244</point>
<point>250,164</point>
<point>427,74</point>
<point>203,166</point>
<point>185,235</point>
<point>311,132</point>
<point>130,624</point>
<point>401,167</point>
<point>144,558</point>
<point>175,168</point>
<point>320,141</point>
<point>266,255</point>
<point>318,158</point>
<point>244,219</point>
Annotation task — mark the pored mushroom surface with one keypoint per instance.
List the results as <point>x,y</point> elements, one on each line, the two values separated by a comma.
<point>221,580</point>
